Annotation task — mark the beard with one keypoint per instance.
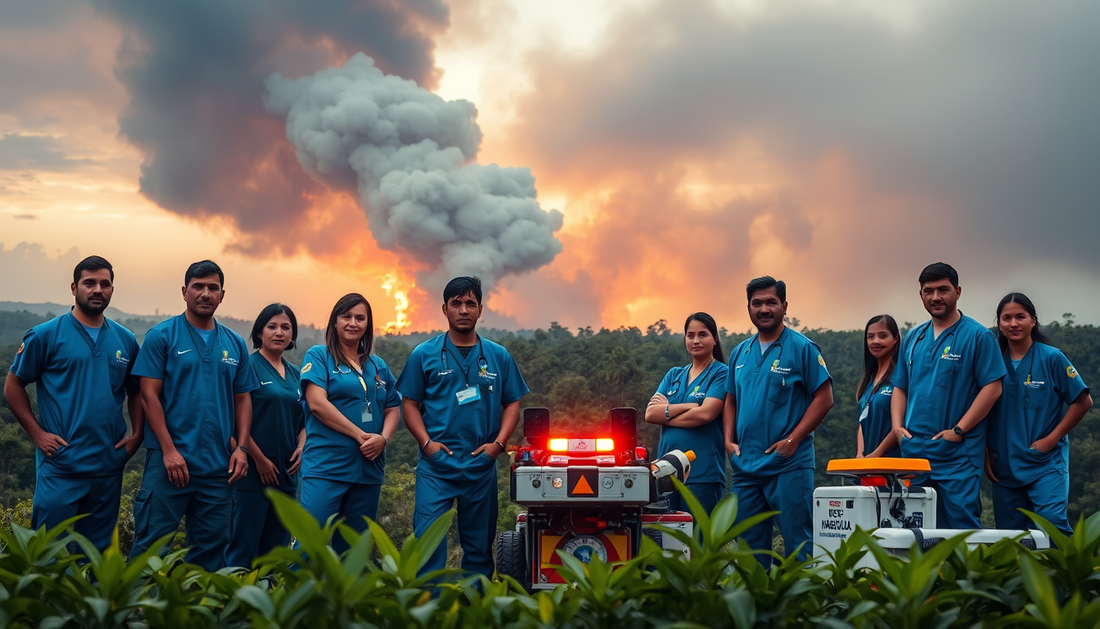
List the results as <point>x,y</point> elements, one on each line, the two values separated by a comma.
<point>93,307</point>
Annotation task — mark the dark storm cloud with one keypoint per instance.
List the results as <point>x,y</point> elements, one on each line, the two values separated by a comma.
<point>35,152</point>
<point>195,71</point>
<point>981,113</point>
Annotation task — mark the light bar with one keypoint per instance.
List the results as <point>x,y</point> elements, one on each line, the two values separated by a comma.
<point>602,444</point>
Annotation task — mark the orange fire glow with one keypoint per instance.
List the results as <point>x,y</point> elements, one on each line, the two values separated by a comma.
<point>401,307</point>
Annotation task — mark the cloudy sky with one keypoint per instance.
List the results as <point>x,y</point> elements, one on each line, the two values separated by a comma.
<point>602,164</point>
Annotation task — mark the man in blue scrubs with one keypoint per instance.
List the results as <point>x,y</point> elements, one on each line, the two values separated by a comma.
<point>778,391</point>
<point>195,382</point>
<point>461,402</point>
<point>81,364</point>
<point>946,381</point>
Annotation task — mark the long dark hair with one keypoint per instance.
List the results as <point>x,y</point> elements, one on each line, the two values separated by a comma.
<point>266,315</point>
<point>1037,335</point>
<point>332,341</point>
<point>712,327</point>
<point>870,363</point>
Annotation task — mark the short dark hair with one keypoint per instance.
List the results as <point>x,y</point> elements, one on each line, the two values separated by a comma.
<point>332,341</point>
<point>92,263</point>
<point>266,315</point>
<point>459,286</point>
<point>764,283</point>
<point>939,271</point>
<point>203,268</point>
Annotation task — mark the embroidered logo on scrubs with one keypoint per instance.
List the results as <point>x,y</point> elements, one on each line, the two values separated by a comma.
<point>227,359</point>
<point>696,393</point>
<point>485,373</point>
<point>777,369</point>
<point>306,367</point>
<point>378,383</point>
<point>119,358</point>
<point>1070,371</point>
<point>21,346</point>
<point>947,355</point>
<point>886,390</point>
<point>1033,384</point>
<point>821,359</point>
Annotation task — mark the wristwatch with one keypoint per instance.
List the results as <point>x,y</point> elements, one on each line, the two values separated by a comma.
<point>958,431</point>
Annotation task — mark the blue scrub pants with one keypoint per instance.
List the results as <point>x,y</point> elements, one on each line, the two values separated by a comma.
<point>708,495</point>
<point>477,517</point>
<point>58,498</point>
<point>791,494</point>
<point>204,500</point>
<point>256,528</point>
<point>1048,496</point>
<point>353,502</point>
<point>958,498</point>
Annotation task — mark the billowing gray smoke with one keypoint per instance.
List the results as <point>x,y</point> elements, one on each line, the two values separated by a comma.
<point>411,155</point>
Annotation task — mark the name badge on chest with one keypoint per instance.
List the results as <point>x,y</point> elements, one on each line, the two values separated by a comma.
<point>470,394</point>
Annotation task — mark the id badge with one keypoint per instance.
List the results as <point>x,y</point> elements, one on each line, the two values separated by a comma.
<point>367,415</point>
<point>470,394</point>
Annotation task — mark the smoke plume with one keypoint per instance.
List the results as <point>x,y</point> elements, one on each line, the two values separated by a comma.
<point>411,155</point>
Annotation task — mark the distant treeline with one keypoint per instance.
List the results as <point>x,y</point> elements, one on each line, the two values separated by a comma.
<point>580,375</point>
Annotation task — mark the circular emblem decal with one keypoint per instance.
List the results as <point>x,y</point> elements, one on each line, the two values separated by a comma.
<point>821,360</point>
<point>585,547</point>
<point>1071,372</point>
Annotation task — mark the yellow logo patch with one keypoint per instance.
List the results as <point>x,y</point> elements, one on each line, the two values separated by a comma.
<point>306,367</point>
<point>1071,372</point>
<point>21,346</point>
<point>821,359</point>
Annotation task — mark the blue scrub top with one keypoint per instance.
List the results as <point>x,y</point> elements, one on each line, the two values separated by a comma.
<point>941,377</point>
<point>330,454</point>
<point>772,392</point>
<point>82,385</point>
<point>1032,404</point>
<point>874,417</point>
<point>435,372</point>
<point>200,380</point>
<point>707,440</point>
<point>277,418</point>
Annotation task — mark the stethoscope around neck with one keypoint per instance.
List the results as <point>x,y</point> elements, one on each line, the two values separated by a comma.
<point>482,364</point>
<point>920,337</point>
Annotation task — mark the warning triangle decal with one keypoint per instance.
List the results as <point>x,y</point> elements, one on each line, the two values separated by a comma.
<point>582,487</point>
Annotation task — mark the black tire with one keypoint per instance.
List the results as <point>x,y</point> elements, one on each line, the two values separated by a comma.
<point>512,557</point>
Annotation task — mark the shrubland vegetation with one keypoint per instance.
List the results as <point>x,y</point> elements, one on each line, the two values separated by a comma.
<point>47,580</point>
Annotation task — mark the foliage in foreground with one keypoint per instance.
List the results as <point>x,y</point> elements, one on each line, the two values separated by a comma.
<point>375,584</point>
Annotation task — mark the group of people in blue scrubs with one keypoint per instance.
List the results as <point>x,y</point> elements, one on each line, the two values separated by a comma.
<point>770,396</point>
<point>968,399</point>
<point>951,392</point>
<point>225,425</point>
<point>221,425</point>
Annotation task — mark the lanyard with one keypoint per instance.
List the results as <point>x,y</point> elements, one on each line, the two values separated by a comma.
<point>482,364</point>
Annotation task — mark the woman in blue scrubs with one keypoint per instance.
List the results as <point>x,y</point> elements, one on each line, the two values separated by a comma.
<point>1043,399</point>
<point>881,345</point>
<point>687,403</point>
<point>277,436</point>
<point>352,411</point>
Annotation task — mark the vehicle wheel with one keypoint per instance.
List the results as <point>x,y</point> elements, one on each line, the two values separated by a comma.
<point>512,557</point>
